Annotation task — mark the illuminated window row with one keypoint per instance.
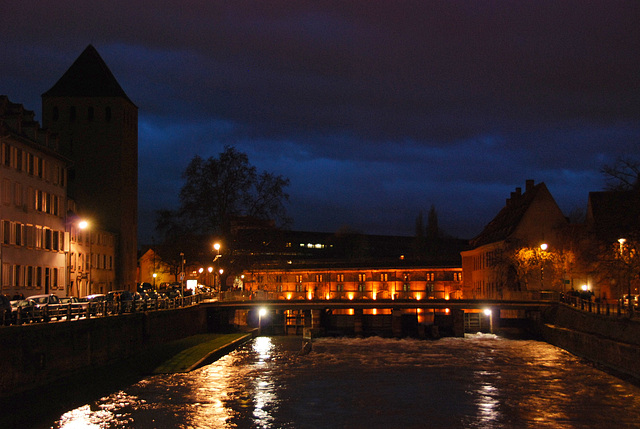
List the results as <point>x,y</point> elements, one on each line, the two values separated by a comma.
<point>33,236</point>
<point>30,276</point>
<point>25,161</point>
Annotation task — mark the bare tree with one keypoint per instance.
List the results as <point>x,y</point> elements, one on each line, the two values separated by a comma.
<point>623,175</point>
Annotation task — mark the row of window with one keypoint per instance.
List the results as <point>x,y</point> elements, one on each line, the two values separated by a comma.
<point>32,277</point>
<point>487,259</point>
<point>362,277</point>
<point>31,199</point>
<point>77,235</point>
<point>34,236</point>
<point>98,260</point>
<point>34,165</point>
<point>91,113</point>
<point>361,287</point>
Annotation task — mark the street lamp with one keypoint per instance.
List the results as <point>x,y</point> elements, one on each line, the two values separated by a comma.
<point>182,261</point>
<point>262,312</point>
<point>210,269</point>
<point>622,241</point>
<point>543,247</point>
<point>84,225</point>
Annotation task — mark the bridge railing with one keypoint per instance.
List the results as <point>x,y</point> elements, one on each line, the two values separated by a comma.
<point>606,308</point>
<point>85,310</point>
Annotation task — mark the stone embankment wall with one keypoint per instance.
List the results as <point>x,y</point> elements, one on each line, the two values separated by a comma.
<point>613,342</point>
<point>36,355</point>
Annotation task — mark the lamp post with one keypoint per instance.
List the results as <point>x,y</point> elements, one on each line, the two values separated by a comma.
<point>543,248</point>
<point>622,241</point>
<point>261,313</point>
<point>182,261</point>
<point>216,247</point>
<point>210,269</point>
<point>84,225</point>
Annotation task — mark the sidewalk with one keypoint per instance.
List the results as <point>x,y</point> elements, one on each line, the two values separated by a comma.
<point>193,352</point>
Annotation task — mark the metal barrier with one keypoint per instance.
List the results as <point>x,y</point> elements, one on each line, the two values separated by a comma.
<point>617,309</point>
<point>85,310</point>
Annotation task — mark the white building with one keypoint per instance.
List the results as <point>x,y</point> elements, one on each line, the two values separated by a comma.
<point>33,195</point>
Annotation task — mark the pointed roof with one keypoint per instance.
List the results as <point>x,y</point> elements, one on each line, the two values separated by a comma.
<point>508,219</point>
<point>88,76</point>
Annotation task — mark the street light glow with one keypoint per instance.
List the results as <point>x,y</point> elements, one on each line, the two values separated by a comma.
<point>544,246</point>
<point>83,224</point>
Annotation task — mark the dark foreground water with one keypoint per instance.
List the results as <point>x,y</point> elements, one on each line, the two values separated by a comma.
<point>480,381</point>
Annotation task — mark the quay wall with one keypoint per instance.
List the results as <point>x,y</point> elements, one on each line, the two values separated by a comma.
<point>613,342</point>
<point>38,355</point>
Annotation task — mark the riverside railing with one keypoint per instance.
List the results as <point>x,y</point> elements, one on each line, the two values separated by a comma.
<point>615,309</point>
<point>84,310</point>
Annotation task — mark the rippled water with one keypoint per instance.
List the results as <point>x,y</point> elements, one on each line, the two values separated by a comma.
<point>481,381</point>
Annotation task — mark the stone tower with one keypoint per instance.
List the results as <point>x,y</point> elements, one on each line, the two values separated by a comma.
<point>97,125</point>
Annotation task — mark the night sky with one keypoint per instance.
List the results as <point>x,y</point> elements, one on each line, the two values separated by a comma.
<point>375,110</point>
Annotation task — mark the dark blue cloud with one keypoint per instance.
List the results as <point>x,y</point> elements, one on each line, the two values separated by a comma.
<point>375,110</point>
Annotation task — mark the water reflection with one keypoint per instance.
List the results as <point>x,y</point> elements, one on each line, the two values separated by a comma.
<point>476,382</point>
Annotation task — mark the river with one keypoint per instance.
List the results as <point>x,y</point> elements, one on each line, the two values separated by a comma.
<point>480,381</point>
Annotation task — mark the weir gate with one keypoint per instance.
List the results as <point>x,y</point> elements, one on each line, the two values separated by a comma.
<point>398,318</point>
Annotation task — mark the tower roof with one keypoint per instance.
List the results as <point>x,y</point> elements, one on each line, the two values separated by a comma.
<point>88,76</point>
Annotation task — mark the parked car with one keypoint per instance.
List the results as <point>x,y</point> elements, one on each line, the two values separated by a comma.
<point>94,302</point>
<point>5,310</point>
<point>77,307</point>
<point>48,306</point>
<point>635,301</point>
<point>120,300</point>
<point>23,311</point>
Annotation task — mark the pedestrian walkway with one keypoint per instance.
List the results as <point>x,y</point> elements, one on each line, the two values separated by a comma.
<point>193,352</point>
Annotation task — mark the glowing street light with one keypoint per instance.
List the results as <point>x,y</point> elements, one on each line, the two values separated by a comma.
<point>84,225</point>
<point>261,313</point>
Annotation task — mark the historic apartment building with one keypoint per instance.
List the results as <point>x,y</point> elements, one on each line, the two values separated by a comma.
<point>507,260</point>
<point>33,195</point>
<point>97,127</point>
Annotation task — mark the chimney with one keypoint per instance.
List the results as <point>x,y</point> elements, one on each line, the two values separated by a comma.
<point>528,185</point>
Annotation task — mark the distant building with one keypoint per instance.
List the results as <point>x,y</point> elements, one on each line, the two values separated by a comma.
<point>352,281</point>
<point>91,258</point>
<point>613,241</point>
<point>302,265</point>
<point>33,192</point>
<point>528,220</point>
<point>97,125</point>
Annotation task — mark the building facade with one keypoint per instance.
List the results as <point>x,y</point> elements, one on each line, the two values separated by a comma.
<point>33,195</point>
<point>90,261</point>
<point>522,251</point>
<point>356,283</point>
<point>97,125</point>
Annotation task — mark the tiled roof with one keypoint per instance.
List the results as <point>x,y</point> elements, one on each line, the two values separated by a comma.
<point>506,221</point>
<point>88,76</point>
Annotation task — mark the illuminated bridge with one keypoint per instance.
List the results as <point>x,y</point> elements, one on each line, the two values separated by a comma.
<point>428,318</point>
